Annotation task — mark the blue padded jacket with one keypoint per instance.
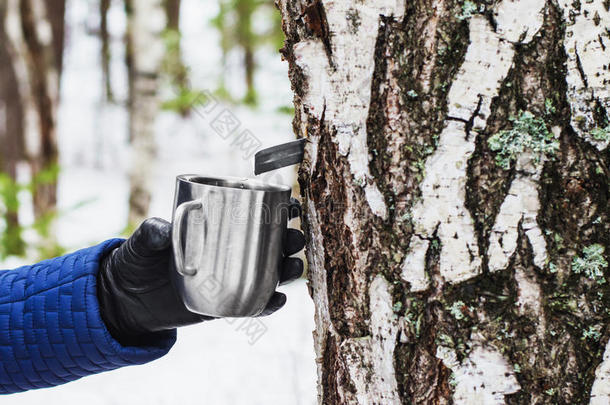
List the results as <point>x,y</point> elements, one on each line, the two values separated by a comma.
<point>51,331</point>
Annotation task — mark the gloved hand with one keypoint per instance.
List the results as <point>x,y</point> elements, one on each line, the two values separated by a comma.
<point>134,288</point>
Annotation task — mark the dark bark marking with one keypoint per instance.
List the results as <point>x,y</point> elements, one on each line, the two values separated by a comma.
<point>329,379</point>
<point>314,16</point>
<point>581,71</point>
<point>348,298</point>
<point>422,377</point>
<point>469,123</point>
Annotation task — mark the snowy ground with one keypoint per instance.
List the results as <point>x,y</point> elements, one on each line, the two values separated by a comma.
<point>212,363</point>
<point>215,362</point>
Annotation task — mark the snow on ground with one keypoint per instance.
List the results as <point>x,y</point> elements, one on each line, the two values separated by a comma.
<point>216,362</point>
<point>212,363</point>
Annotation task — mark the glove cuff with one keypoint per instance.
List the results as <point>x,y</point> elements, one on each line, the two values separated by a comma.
<point>109,296</point>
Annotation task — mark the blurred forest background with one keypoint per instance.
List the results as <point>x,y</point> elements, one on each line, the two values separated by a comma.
<point>143,72</point>
<point>102,104</point>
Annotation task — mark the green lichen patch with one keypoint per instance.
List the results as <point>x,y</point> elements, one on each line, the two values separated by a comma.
<point>414,317</point>
<point>456,310</point>
<point>469,9</point>
<point>592,263</point>
<point>593,332</point>
<point>549,108</point>
<point>529,133</point>
<point>601,133</point>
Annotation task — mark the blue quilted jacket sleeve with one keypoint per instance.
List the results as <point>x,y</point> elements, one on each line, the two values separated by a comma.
<point>51,331</point>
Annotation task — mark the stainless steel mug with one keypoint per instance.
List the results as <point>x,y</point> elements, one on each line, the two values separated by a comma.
<point>227,237</point>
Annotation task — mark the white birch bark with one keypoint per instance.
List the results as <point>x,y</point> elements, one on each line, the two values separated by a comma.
<point>334,51</point>
<point>586,44</point>
<point>441,209</point>
<point>342,93</point>
<point>520,207</point>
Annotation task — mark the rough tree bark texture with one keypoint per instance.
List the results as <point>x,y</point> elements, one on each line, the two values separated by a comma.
<point>146,22</point>
<point>456,197</point>
<point>34,52</point>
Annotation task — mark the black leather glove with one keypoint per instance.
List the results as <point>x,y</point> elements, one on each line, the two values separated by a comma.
<point>134,288</point>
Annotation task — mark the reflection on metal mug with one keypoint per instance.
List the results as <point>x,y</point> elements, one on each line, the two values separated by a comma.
<point>227,240</point>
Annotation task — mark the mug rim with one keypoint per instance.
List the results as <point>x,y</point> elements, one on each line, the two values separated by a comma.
<point>233,183</point>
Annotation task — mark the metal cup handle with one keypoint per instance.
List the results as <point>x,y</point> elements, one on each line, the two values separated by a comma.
<point>181,212</point>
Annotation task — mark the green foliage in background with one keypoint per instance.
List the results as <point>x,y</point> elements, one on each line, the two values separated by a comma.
<point>11,239</point>
<point>185,98</point>
<point>286,109</point>
<point>172,62</point>
<point>184,101</point>
<point>11,231</point>
<point>235,23</point>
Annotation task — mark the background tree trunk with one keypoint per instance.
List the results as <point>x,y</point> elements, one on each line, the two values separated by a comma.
<point>105,50</point>
<point>173,66</point>
<point>246,39</point>
<point>172,10</point>
<point>56,11</point>
<point>11,138</point>
<point>146,22</point>
<point>451,260</point>
<point>36,62</point>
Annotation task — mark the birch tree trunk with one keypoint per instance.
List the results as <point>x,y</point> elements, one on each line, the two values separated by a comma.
<point>456,197</point>
<point>29,29</point>
<point>146,21</point>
